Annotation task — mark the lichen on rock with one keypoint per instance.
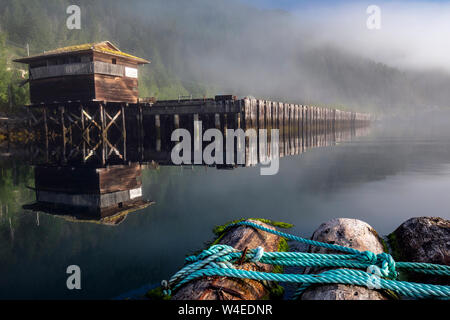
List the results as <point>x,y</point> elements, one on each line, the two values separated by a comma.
<point>422,239</point>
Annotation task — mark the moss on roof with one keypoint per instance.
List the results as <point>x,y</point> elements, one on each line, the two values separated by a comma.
<point>80,47</point>
<point>120,53</point>
<point>103,47</point>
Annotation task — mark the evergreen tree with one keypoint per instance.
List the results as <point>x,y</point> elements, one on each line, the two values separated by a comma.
<point>4,74</point>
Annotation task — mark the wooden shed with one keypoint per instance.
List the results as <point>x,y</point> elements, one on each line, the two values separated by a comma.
<point>87,72</point>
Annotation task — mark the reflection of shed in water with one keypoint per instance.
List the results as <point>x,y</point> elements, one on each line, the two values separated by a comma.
<point>101,194</point>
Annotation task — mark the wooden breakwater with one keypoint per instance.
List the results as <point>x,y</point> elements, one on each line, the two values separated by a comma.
<point>106,132</point>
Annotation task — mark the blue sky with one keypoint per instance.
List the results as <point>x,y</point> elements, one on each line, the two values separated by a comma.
<point>295,4</point>
<point>287,4</point>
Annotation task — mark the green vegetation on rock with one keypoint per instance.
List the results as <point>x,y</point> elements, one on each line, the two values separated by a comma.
<point>218,230</point>
<point>393,244</point>
<point>156,294</point>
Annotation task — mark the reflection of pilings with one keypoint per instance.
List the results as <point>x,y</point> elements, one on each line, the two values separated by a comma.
<point>45,133</point>
<point>81,132</point>
<point>286,108</point>
<point>11,230</point>
<point>158,132</point>
<point>124,133</point>
<point>281,115</point>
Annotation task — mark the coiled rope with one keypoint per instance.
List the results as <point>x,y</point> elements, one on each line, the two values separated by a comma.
<point>364,268</point>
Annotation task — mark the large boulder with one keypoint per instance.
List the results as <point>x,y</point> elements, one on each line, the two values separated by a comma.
<point>423,239</point>
<point>350,233</point>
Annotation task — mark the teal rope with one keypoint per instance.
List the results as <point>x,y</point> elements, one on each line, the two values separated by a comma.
<point>380,269</point>
<point>343,276</point>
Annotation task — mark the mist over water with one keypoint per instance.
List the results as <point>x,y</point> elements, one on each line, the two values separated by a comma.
<point>398,171</point>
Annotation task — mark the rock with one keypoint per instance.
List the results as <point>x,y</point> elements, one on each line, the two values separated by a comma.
<point>219,288</point>
<point>350,233</point>
<point>423,239</point>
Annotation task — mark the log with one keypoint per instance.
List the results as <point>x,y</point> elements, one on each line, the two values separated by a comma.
<point>350,233</point>
<point>221,288</point>
<point>423,239</point>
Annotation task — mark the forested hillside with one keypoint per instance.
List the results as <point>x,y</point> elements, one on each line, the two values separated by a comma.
<point>207,47</point>
<point>42,25</point>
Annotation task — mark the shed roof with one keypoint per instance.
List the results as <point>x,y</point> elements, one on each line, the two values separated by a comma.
<point>103,47</point>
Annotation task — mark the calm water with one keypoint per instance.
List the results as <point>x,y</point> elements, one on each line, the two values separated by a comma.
<point>383,178</point>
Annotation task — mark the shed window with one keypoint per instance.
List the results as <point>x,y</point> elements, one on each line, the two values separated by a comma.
<point>114,61</point>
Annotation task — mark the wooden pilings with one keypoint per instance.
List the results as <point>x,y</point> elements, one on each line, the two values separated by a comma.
<point>136,132</point>
<point>301,127</point>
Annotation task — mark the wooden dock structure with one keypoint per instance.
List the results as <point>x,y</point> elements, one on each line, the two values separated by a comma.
<point>119,133</point>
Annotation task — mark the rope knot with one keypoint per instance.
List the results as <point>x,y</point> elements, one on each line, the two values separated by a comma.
<point>388,266</point>
<point>382,263</point>
<point>259,252</point>
<point>166,288</point>
<point>368,256</point>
